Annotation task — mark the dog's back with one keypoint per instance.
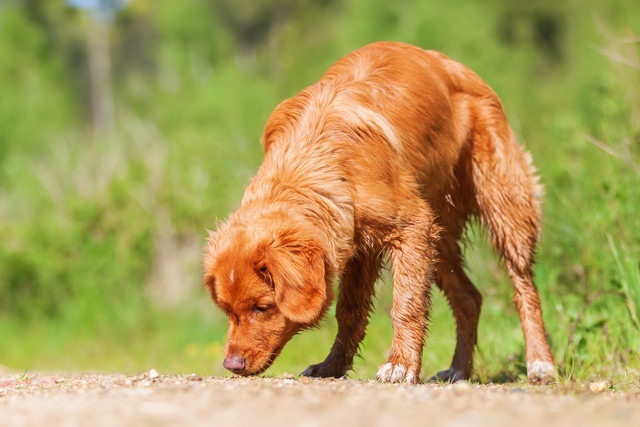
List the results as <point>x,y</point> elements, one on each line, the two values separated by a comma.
<point>392,118</point>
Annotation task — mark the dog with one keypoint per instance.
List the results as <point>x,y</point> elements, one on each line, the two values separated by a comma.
<point>387,156</point>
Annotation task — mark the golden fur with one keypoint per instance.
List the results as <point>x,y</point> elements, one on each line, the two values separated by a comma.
<point>389,154</point>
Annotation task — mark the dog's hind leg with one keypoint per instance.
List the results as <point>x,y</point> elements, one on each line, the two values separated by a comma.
<point>506,191</point>
<point>465,302</point>
<point>352,313</point>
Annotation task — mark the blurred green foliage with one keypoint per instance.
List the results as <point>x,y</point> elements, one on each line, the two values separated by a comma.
<point>100,233</point>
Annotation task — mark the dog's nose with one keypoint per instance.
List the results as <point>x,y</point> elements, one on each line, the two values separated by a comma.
<point>234,363</point>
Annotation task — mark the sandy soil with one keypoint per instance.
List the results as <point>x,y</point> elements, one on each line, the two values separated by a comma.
<point>152,399</point>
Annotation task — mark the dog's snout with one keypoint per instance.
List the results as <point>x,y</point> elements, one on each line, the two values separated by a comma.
<point>234,363</point>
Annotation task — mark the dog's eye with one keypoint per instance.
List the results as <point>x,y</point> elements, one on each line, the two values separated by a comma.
<point>261,308</point>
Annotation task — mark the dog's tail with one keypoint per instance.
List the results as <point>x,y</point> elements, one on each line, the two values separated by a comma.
<point>506,188</point>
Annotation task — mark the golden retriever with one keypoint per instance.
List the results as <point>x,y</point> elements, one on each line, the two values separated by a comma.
<point>388,155</point>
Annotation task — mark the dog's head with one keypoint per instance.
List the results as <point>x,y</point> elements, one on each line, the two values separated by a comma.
<point>270,279</point>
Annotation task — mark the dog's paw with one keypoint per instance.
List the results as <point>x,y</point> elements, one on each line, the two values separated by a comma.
<point>396,373</point>
<point>540,372</point>
<point>325,370</point>
<point>448,376</point>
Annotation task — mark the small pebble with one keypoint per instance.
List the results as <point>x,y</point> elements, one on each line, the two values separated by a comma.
<point>600,386</point>
<point>461,386</point>
<point>194,377</point>
<point>153,374</point>
<point>306,380</point>
<point>288,376</point>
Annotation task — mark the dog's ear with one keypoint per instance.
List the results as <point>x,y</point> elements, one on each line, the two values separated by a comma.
<point>209,258</point>
<point>296,266</point>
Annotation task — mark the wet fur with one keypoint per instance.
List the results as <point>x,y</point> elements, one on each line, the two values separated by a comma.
<point>389,154</point>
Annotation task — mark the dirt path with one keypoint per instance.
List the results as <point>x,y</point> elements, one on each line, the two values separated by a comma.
<point>150,400</point>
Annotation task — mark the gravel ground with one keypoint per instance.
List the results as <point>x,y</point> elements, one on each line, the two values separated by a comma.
<point>151,399</point>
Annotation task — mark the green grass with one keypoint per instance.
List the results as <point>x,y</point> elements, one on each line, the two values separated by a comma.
<point>183,342</point>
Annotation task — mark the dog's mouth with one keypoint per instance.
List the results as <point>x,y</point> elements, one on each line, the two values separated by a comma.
<point>248,369</point>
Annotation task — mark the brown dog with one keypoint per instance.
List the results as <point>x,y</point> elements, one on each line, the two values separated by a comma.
<point>389,154</point>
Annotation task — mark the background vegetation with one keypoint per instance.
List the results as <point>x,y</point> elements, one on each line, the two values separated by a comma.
<point>101,222</point>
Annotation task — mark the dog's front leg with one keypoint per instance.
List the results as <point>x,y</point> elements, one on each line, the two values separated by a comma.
<point>352,314</point>
<point>412,258</point>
